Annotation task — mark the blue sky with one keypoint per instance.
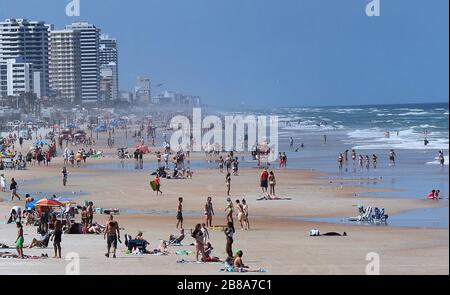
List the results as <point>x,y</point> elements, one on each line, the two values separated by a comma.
<point>272,53</point>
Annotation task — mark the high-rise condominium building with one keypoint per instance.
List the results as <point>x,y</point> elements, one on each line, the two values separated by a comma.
<point>142,91</point>
<point>65,66</point>
<point>29,40</point>
<point>17,77</point>
<point>90,63</point>
<point>109,57</point>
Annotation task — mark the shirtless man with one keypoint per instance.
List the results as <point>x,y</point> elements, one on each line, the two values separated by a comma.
<point>112,231</point>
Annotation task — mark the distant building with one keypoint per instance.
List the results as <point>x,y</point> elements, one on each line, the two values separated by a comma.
<point>18,77</point>
<point>29,40</point>
<point>142,91</point>
<point>126,96</point>
<point>90,62</point>
<point>106,83</point>
<point>176,98</point>
<point>108,56</point>
<point>65,67</point>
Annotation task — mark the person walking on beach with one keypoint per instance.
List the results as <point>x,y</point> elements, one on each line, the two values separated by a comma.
<point>229,232</point>
<point>245,209</point>
<point>158,184</point>
<point>291,143</point>
<point>341,161</point>
<point>229,209</point>
<point>272,183</point>
<point>441,158</point>
<point>263,180</point>
<point>64,175</point>
<point>392,157</point>
<point>56,238</point>
<point>324,138</point>
<point>180,213</point>
<point>209,211</point>
<point>199,241</point>
<point>13,189</point>
<point>228,183</point>
<point>2,183</point>
<point>113,234</point>
<point>374,161</point>
<point>221,164</point>
<point>240,214</point>
<point>19,241</point>
<point>361,162</point>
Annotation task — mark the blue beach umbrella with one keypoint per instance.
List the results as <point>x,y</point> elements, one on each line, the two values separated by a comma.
<point>40,142</point>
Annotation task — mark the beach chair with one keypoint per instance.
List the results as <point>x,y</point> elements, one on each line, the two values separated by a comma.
<point>141,245</point>
<point>367,215</point>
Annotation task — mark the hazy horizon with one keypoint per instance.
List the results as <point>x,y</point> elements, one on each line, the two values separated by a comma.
<point>270,54</point>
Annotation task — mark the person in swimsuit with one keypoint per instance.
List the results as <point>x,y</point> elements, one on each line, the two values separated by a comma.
<point>374,161</point>
<point>340,161</point>
<point>19,241</point>
<point>221,163</point>
<point>56,238</point>
<point>432,195</point>
<point>272,183</point>
<point>199,241</point>
<point>229,231</point>
<point>240,214</point>
<point>441,158</point>
<point>209,211</point>
<point>180,213</point>
<point>228,183</point>
<point>64,174</point>
<point>263,180</point>
<point>392,157</point>
<point>158,185</point>
<point>112,231</point>
<point>229,209</point>
<point>13,189</point>
<point>245,209</point>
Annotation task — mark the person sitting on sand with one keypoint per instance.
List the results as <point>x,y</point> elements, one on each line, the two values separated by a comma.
<point>95,228</point>
<point>208,254</point>
<point>432,195</point>
<point>43,243</point>
<point>176,240</point>
<point>239,265</point>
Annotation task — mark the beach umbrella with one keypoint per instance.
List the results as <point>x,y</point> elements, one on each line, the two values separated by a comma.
<point>40,142</point>
<point>48,203</point>
<point>31,205</point>
<point>55,126</point>
<point>71,126</point>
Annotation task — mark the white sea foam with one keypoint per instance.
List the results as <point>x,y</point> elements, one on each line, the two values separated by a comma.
<point>414,114</point>
<point>436,161</point>
<point>406,139</point>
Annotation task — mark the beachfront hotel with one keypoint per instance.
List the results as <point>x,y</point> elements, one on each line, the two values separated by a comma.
<point>90,62</point>
<point>65,70</point>
<point>30,41</point>
<point>18,77</point>
<point>109,63</point>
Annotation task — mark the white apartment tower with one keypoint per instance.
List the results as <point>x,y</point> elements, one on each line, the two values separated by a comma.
<point>90,62</point>
<point>28,40</point>
<point>109,58</point>
<point>17,77</point>
<point>65,65</point>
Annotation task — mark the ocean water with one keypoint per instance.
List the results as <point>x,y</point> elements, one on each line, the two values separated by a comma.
<point>363,128</point>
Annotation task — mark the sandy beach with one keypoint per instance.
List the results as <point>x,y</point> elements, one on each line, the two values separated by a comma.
<point>278,241</point>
